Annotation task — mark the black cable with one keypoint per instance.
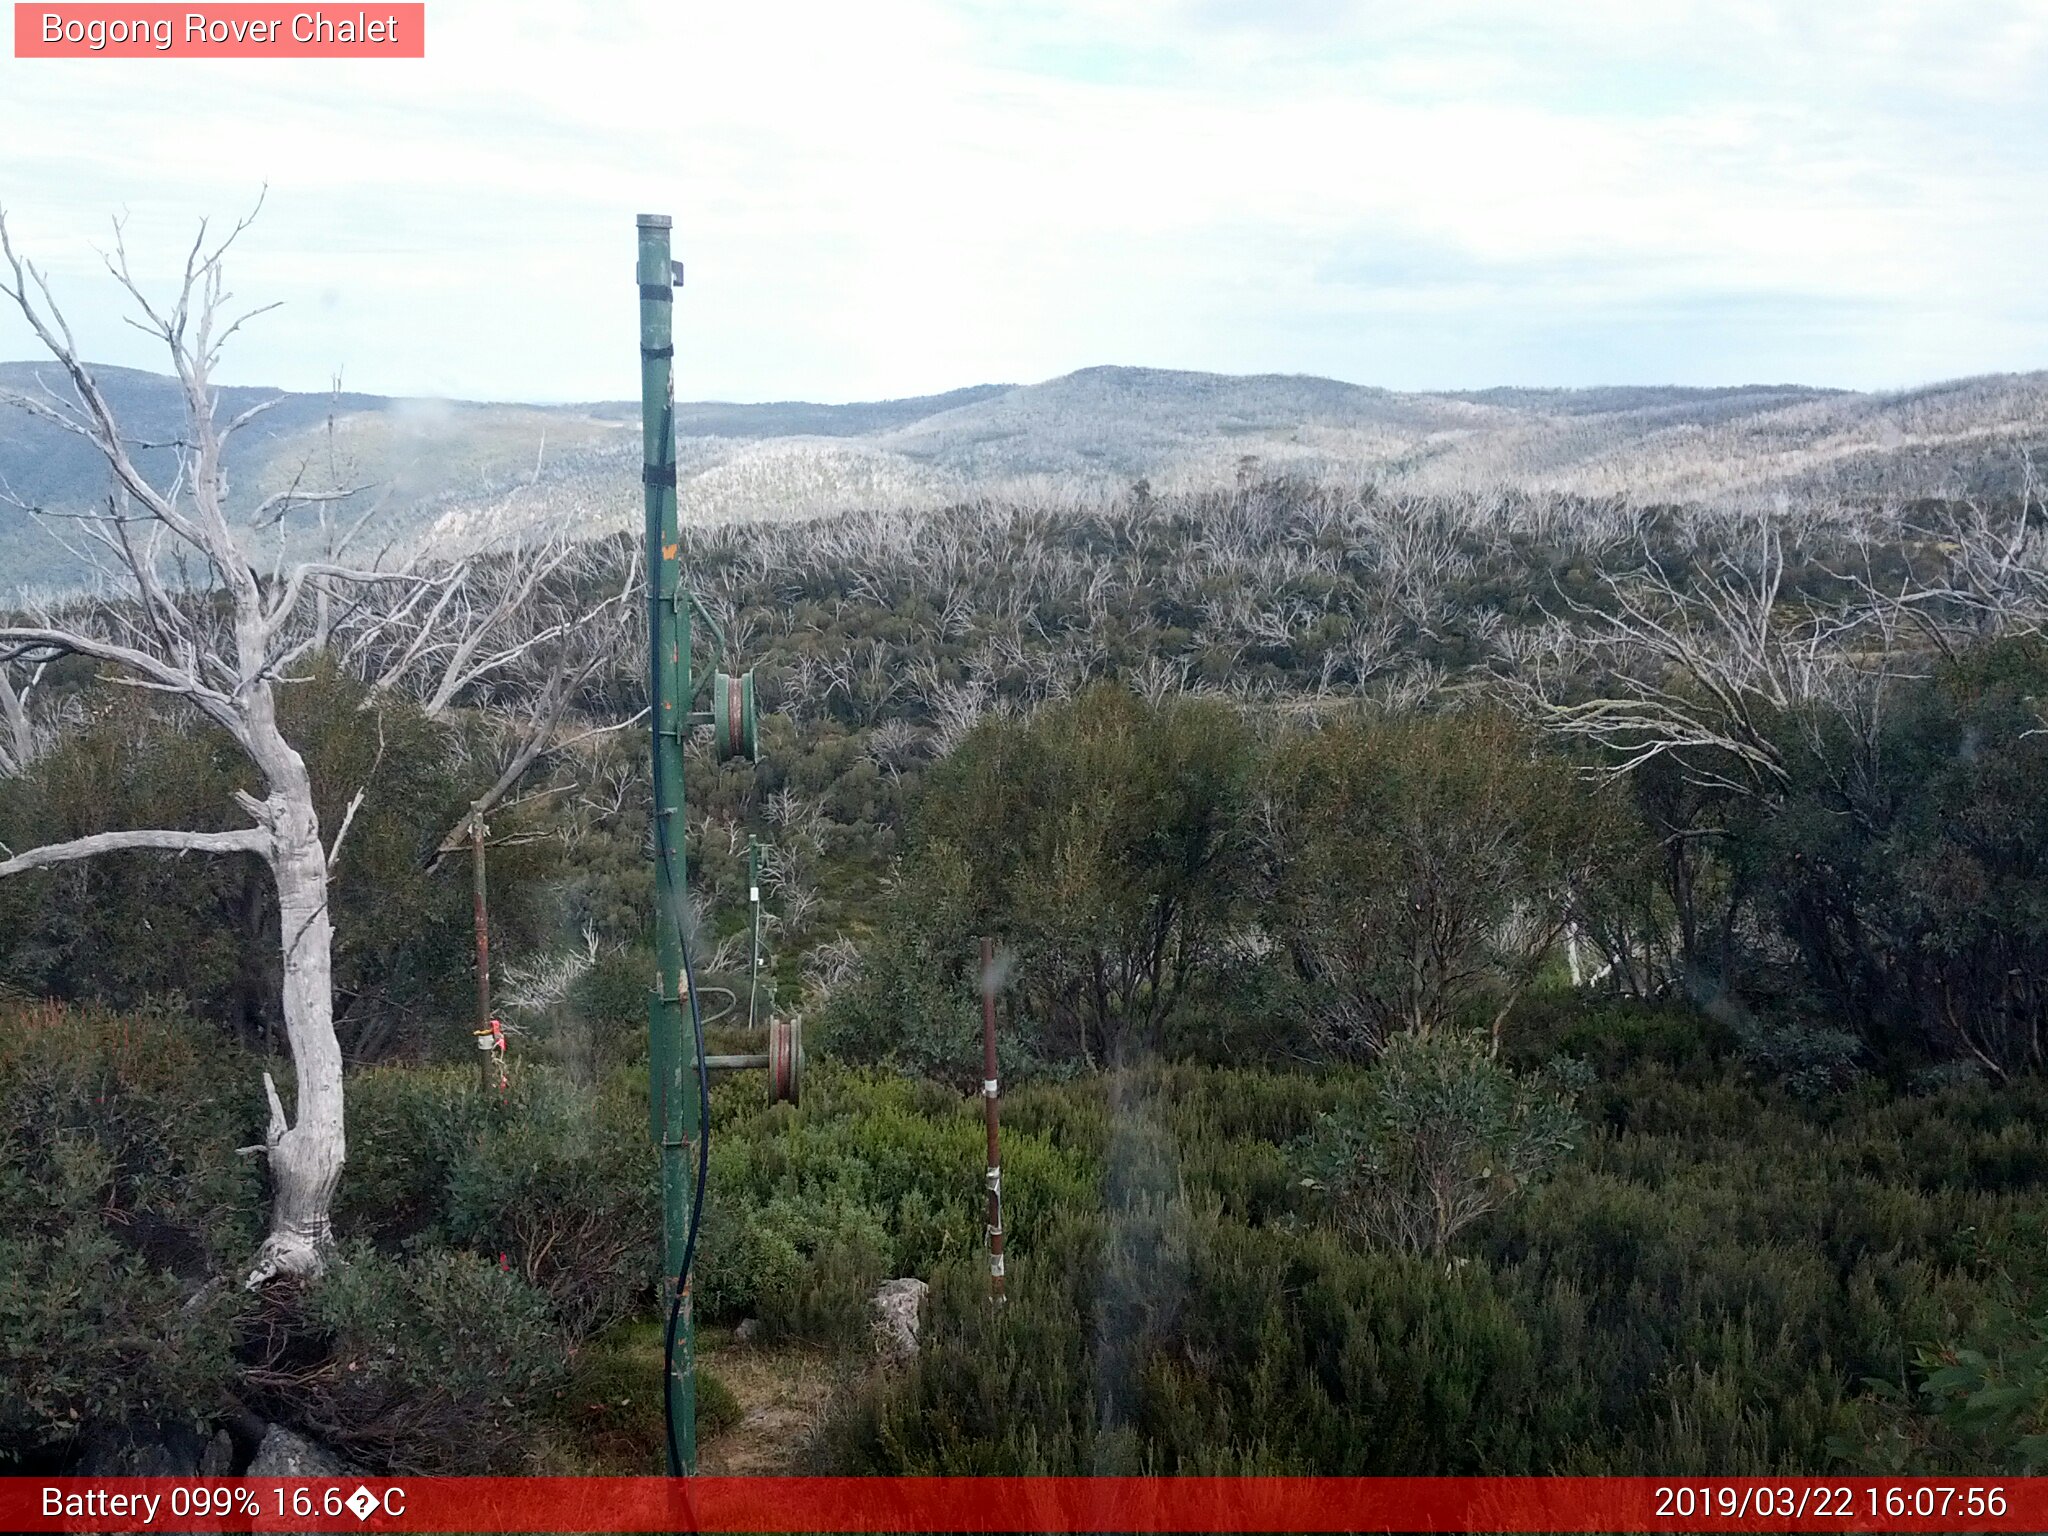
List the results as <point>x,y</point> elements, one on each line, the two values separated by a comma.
<point>675,1306</point>
<point>731,1005</point>
<point>675,885</point>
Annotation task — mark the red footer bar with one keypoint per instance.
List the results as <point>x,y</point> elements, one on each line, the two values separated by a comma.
<point>932,1504</point>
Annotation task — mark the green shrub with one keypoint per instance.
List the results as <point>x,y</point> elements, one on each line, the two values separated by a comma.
<point>91,1332</point>
<point>603,1025</point>
<point>1810,1059</point>
<point>804,1266</point>
<point>610,1410</point>
<point>1100,840</point>
<point>1450,1135</point>
<point>913,1004</point>
<point>1988,1396</point>
<point>439,1363</point>
<point>558,1177</point>
<point>564,1182</point>
<point>1711,1282</point>
<point>1901,865</point>
<point>810,1208</point>
<point>121,1200</point>
<point>1424,868</point>
<point>406,1126</point>
<point>1168,1341</point>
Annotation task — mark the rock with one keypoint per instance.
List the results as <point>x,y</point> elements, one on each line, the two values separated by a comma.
<point>218,1459</point>
<point>748,1331</point>
<point>284,1454</point>
<point>897,1304</point>
<point>142,1450</point>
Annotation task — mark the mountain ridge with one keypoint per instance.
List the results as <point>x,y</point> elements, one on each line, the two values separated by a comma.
<point>473,473</point>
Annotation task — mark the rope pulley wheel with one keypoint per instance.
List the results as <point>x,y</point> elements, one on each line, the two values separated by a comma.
<point>735,728</point>
<point>785,1061</point>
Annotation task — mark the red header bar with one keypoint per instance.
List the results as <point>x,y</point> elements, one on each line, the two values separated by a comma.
<point>933,1504</point>
<point>379,30</point>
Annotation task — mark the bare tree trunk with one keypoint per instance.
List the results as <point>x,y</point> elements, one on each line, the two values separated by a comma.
<point>306,1155</point>
<point>17,733</point>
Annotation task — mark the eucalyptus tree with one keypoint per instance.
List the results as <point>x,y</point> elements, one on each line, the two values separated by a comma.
<point>223,647</point>
<point>185,613</point>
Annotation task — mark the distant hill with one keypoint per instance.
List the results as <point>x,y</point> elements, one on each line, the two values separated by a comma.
<point>459,473</point>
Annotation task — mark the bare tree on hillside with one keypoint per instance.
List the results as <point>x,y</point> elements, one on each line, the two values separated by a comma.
<point>225,659</point>
<point>1715,670</point>
<point>520,632</point>
<point>1701,668</point>
<point>1991,568</point>
<point>185,614</point>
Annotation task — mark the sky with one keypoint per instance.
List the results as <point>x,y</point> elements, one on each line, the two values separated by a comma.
<point>898,197</point>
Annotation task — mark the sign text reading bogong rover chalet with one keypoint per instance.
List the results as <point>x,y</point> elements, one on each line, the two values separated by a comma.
<point>235,30</point>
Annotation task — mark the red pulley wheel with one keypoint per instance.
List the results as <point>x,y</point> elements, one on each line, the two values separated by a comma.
<point>785,1061</point>
<point>735,722</point>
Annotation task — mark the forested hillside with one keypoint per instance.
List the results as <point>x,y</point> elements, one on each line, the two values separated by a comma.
<point>1493,983</point>
<point>453,476</point>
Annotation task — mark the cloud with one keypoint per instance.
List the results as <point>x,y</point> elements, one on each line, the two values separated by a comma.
<point>906,195</point>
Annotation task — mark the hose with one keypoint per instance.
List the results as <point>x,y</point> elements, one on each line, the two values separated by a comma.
<point>675,885</point>
<point>675,1305</point>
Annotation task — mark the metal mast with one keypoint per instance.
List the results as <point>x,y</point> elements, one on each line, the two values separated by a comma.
<point>671,1061</point>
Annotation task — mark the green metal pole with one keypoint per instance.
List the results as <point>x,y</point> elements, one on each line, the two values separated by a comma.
<point>671,1053</point>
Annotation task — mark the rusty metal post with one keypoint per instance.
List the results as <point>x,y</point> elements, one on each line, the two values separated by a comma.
<point>990,1095</point>
<point>477,832</point>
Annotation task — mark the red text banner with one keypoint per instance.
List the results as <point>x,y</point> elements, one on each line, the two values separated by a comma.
<point>380,1504</point>
<point>220,31</point>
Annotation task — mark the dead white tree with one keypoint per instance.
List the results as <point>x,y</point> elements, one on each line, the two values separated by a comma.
<point>518,632</point>
<point>895,745</point>
<point>222,646</point>
<point>19,739</point>
<point>185,614</point>
<point>1703,669</point>
<point>1990,574</point>
<point>1736,685</point>
<point>479,621</point>
<point>1157,678</point>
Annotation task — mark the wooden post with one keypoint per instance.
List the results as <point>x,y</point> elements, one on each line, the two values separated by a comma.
<point>477,832</point>
<point>990,1094</point>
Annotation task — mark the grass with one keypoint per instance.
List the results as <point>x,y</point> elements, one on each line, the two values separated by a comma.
<point>756,1406</point>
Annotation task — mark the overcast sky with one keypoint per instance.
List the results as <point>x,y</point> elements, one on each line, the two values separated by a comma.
<point>897,197</point>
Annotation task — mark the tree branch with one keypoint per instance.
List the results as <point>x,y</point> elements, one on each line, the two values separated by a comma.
<point>245,840</point>
<point>17,641</point>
